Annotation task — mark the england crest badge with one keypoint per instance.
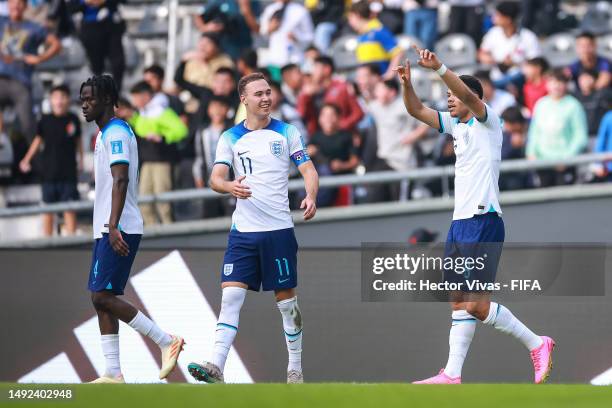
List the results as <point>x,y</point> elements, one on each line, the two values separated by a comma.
<point>276,148</point>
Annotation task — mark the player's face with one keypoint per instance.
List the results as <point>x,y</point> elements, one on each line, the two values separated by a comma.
<point>258,97</point>
<point>91,106</point>
<point>456,108</point>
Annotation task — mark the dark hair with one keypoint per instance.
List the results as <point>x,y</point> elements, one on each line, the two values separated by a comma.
<point>212,37</point>
<point>313,47</point>
<point>586,34</point>
<point>156,70</point>
<point>288,67</point>
<point>249,57</point>
<point>247,79</point>
<point>539,62</point>
<point>473,83</point>
<point>332,106</point>
<point>509,9</point>
<point>103,86</point>
<point>483,76</point>
<point>325,60</point>
<point>513,115</point>
<point>141,87</point>
<point>226,71</point>
<point>123,101</point>
<point>63,88</point>
<point>224,100</point>
<point>373,68</point>
<point>391,84</point>
<point>558,74</point>
<point>276,85</point>
<point>361,8</point>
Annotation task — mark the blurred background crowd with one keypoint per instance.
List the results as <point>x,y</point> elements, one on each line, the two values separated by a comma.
<point>544,66</point>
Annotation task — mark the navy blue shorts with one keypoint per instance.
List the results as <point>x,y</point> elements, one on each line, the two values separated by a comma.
<point>261,259</point>
<point>59,191</point>
<point>109,270</point>
<point>475,246</point>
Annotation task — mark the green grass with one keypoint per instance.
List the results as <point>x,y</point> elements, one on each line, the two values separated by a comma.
<point>334,395</point>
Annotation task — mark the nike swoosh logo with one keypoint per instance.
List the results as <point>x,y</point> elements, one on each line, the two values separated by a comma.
<point>241,153</point>
<point>283,280</point>
<point>292,341</point>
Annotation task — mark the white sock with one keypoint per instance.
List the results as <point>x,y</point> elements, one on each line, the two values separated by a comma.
<point>503,320</point>
<point>145,326</point>
<point>292,324</point>
<point>459,340</point>
<point>110,349</point>
<point>227,325</point>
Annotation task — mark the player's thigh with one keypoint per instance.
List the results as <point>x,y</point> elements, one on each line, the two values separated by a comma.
<point>241,260</point>
<point>110,271</point>
<point>278,259</point>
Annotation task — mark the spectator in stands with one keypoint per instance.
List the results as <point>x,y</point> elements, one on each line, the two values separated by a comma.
<point>498,99</point>
<point>310,56</point>
<point>421,20</point>
<point>292,83</point>
<point>542,17</point>
<point>595,101</point>
<point>506,46</point>
<point>206,139</point>
<point>534,71</point>
<point>288,27</point>
<point>397,135</point>
<point>588,60</point>
<point>59,134</point>
<point>280,109</point>
<point>159,129</point>
<point>466,17</point>
<point>20,41</point>
<point>367,77</point>
<point>331,149</point>
<point>101,32</point>
<point>375,43</point>
<point>558,129</point>
<point>247,62</point>
<point>154,76</point>
<point>199,66</point>
<point>513,147</point>
<point>326,15</point>
<point>7,159</point>
<point>233,21</point>
<point>603,172</point>
<point>324,89</point>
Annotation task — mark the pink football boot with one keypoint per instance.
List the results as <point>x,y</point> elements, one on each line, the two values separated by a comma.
<point>441,378</point>
<point>542,360</point>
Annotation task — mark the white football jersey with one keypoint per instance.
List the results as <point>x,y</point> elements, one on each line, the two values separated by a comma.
<point>478,150</point>
<point>264,157</point>
<point>116,143</point>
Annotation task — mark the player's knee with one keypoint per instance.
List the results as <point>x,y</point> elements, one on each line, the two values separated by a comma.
<point>100,300</point>
<point>477,309</point>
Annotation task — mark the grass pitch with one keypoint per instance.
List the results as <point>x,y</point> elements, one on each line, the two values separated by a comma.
<point>334,395</point>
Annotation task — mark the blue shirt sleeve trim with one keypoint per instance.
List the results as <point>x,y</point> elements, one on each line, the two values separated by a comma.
<point>120,162</point>
<point>224,162</point>
<point>441,130</point>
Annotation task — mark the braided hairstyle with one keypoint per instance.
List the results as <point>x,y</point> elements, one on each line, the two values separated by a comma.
<point>103,86</point>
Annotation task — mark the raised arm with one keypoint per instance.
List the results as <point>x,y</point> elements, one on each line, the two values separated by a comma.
<point>413,104</point>
<point>429,60</point>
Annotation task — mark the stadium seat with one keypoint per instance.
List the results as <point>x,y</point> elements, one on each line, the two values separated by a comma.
<point>71,57</point>
<point>598,18</point>
<point>559,49</point>
<point>152,25</point>
<point>604,46</point>
<point>343,52</point>
<point>406,42</point>
<point>421,81</point>
<point>456,50</point>
<point>131,54</point>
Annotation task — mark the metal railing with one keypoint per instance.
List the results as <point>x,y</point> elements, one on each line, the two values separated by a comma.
<point>443,172</point>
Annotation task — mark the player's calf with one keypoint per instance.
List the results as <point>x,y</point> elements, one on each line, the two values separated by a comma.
<point>292,325</point>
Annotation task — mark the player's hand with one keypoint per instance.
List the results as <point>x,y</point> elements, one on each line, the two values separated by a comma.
<point>31,59</point>
<point>427,59</point>
<point>403,72</point>
<point>25,166</point>
<point>310,208</point>
<point>240,190</point>
<point>117,243</point>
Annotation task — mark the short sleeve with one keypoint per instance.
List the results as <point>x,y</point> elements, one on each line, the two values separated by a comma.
<point>297,150</point>
<point>117,144</point>
<point>492,120</point>
<point>386,39</point>
<point>224,153</point>
<point>447,122</point>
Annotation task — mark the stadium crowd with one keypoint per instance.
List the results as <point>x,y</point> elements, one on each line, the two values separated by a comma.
<point>351,116</point>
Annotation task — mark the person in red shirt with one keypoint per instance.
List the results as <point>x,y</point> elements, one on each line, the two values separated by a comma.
<point>535,82</point>
<point>323,89</point>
